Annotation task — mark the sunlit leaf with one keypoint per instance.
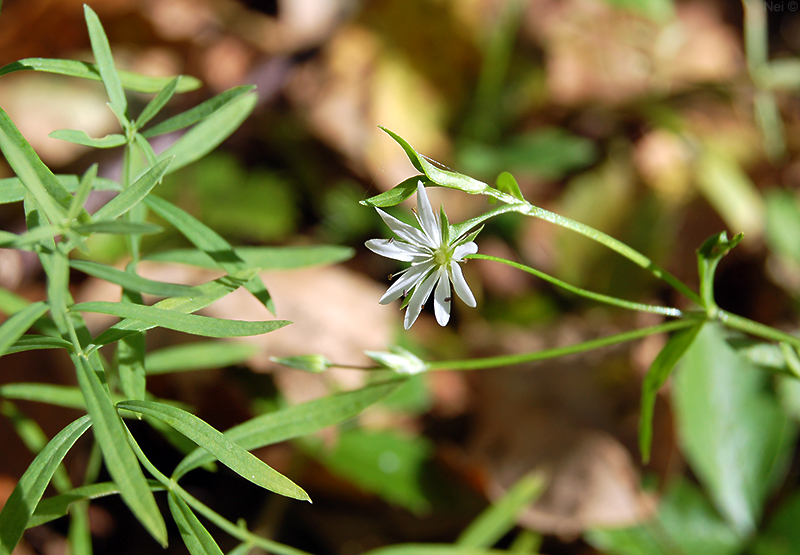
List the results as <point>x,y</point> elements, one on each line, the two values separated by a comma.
<point>131,281</point>
<point>105,62</point>
<point>198,356</point>
<point>80,137</point>
<point>13,328</point>
<point>197,539</point>
<point>263,258</point>
<point>198,113</point>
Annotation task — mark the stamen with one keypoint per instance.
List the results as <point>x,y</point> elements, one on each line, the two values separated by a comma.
<point>391,240</point>
<point>448,299</point>
<point>390,276</point>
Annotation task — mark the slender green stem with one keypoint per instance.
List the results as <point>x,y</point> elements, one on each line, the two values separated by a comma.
<point>614,244</point>
<point>754,328</point>
<point>509,360</point>
<point>239,532</point>
<point>614,301</point>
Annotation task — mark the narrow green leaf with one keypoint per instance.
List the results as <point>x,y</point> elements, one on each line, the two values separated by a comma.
<point>198,113</point>
<point>134,194</point>
<point>659,371</point>
<point>118,227</point>
<point>27,241</point>
<point>207,293</point>
<point>211,243</point>
<point>105,62</point>
<point>497,520</point>
<point>56,395</point>
<point>37,178</point>
<point>73,68</point>
<point>84,188</point>
<point>80,137</point>
<point>130,355</point>
<point>733,432</point>
<point>443,177</point>
<point>224,449</point>
<point>205,326</point>
<point>34,342</point>
<point>13,328</point>
<point>209,133</point>
<point>154,106</point>
<point>131,281</point>
<point>58,506</point>
<point>507,184</point>
<point>121,462</point>
<point>12,189</point>
<point>197,539</point>
<point>263,258</point>
<point>29,490</point>
<point>295,421</point>
<point>307,363</point>
<point>398,193</point>
<point>198,356</point>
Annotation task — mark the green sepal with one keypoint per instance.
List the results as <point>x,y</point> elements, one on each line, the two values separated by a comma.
<point>398,193</point>
<point>508,184</point>
<point>708,256</point>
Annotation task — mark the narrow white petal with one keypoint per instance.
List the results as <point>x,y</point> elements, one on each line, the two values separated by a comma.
<point>410,277</point>
<point>463,250</point>
<point>407,233</point>
<point>441,298</point>
<point>398,250</point>
<point>460,285</point>
<point>418,298</point>
<point>426,217</point>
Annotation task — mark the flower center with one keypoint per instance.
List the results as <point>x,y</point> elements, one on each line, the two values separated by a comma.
<point>441,257</point>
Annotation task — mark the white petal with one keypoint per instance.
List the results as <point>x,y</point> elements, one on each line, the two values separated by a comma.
<point>441,298</point>
<point>426,217</point>
<point>418,298</point>
<point>406,232</point>
<point>411,276</point>
<point>463,250</point>
<point>460,285</point>
<point>398,250</point>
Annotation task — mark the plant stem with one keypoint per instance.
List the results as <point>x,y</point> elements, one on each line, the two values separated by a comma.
<point>614,301</point>
<point>509,360</point>
<point>754,328</point>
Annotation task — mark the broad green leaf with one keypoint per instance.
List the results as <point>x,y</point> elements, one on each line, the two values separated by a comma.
<point>154,106</point>
<point>198,113</point>
<point>445,178</point>
<point>29,490</point>
<point>134,194</point>
<point>386,463</point>
<point>211,243</point>
<point>685,523</point>
<point>34,342</point>
<point>498,519</point>
<point>197,539</point>
<point>263,258</point>
<point>205,326</point>
<point>295,421</point>
<point>80,137</point>
<point>224,449</point>
<point>13,328</point>
<point>732,429</point>
<point>659,371</point>
<point>121,461</point>
<point>105,63</point>
<point>73,68</point>
<point>131,281</point>
<point>507,184</point>
<point>398,193</point>
<point>198,356</point>
<point>708,256</point>
<point>206,294</point>
<point>57,395</point>
<point>210,132</point>
<point>58,506</point>
<point>781,536</point>
<point>118,227</point>
<point>12,189</point>
<point>37,178</point>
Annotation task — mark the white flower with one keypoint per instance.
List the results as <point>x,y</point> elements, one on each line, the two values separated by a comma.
<point>434,261</point>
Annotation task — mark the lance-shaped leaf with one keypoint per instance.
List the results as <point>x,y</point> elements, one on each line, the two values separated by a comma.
<point>207,293</point>
<point>13,328</point>
<point>440,176</point>
<point>197,539</point>
<point>264,258</point>
<point>73,68</point>
<point>154,106</point>
<point>132,282</point>
<point>198,356</point>
<point>12,189</point>
<point>118,227</point>
<point>224,449</point>
<point>398,193</point>
<point>82,193</point>
<point>105,62</point>
<point>80,137</point>
<point>205,326</point>
<point>134,194</point>
<point>57,395</point>
<point>29,490</point>
<point>32,342</point>
<point>294,421</point>
<point>198,113</point>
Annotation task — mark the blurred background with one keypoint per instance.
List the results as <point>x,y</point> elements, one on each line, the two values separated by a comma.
<point>647,119</point>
